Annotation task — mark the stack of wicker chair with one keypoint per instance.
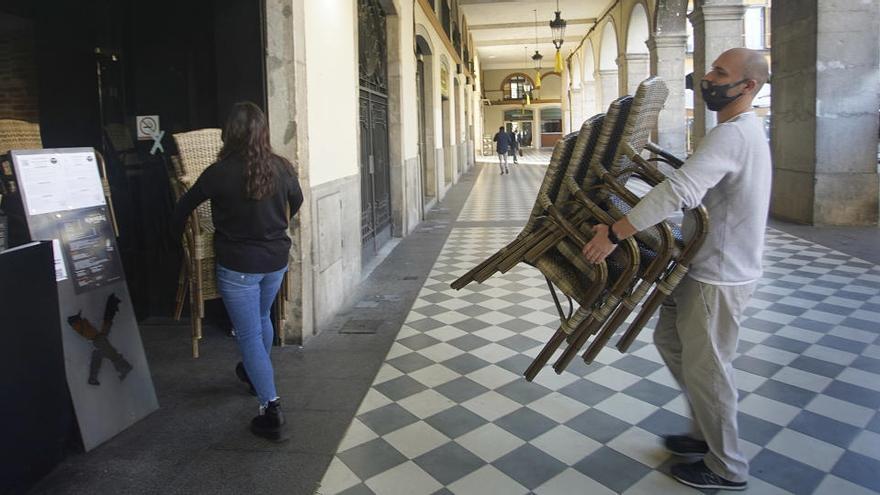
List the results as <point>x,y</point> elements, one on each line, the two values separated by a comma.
<point>586,187</point>
<point>197,151</point>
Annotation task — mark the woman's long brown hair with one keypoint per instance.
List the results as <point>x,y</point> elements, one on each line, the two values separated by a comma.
<point>246,135</point>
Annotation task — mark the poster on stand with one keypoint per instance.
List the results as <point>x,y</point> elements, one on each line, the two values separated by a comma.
<point>107,371</point>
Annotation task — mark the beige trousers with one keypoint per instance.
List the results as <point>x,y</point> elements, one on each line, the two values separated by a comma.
<point>697,337</point>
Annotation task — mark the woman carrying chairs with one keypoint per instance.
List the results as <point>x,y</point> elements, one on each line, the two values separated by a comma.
<point>253,193</point>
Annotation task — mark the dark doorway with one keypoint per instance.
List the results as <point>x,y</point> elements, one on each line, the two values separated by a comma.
<point>101,63</point>
<point>375,176</point>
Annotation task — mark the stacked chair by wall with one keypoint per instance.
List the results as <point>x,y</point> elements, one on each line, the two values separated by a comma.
<point>197,151</point>
<point>587,187</point>
<point>22,135</point>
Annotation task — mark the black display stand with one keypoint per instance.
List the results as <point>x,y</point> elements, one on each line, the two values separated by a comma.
<point>36,415</point>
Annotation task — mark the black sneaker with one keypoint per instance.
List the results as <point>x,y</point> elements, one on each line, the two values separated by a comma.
<point>698,475</point>
<point>685,446</point>
<point>269,423</point>
<point>242,375</point>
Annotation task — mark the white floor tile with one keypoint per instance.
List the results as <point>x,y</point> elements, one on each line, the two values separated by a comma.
<point>566,444</point>
<point>802,379</point>
<point>405,479</point>
<point>490,442</point>
<point>373,400</point>
<point>338,478</point>
<point>493,352</point>
<point>558,407</point>
<point>829,354</point>
<point>416,439</point>
<point>570,482</point>
<point>434,375</point>
<point>441,352</point>
<point>768,409</point>
<point>613,378</point>
<point>491,405</point>
<point>832,485</point>
<point>487,481</point>
<point>357,434</point>
<point>811,451</point>
<point>657,483</point>
<point>627,408</point>
<point>868,444</point>
<point>640,445</point>
<point>860,378</point>
<point>841,410</point>
<point>426,403</point>
<point>492,376</point>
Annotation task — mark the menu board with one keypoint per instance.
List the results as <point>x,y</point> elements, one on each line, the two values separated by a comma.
<point>59,181</point>
<point>61,196</point>
<point>86,237</point>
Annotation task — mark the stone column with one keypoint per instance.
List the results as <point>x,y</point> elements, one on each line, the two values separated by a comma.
<point>286,74</point>
<point>577,108</point>
<point>667,61</point>
<point>826,75</point>
<point>638,68</point>
<point>610,86</point>
<point>718,26</point>
<point>589,99</point>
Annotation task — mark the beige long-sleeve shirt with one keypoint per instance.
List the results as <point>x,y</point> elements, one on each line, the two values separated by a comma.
<point>730,173</point>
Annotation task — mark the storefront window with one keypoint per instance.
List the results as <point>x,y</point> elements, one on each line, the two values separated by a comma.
<point>551,120</point>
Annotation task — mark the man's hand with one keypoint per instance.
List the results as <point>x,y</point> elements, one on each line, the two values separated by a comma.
<point>599,246</point>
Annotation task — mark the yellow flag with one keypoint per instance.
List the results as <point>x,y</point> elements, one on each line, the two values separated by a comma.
<point>537,79</point>
<point>558,67</point>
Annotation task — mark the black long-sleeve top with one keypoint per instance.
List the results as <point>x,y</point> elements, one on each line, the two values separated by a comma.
<point>250,235</point>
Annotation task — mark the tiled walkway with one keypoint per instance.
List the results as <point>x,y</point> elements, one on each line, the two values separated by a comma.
<point>450,413</point>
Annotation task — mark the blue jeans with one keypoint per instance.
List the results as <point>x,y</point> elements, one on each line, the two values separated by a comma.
<point>248,298</point>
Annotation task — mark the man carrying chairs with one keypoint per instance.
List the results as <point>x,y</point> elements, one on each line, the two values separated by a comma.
<point>698,330</point>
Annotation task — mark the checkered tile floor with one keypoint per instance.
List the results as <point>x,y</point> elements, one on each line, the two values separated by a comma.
<point>503,197</point>
<point>530,156</point>
<point>450,413</point>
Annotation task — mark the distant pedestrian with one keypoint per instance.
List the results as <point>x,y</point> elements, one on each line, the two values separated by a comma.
<point>514,146</point>
<point>502,145</point>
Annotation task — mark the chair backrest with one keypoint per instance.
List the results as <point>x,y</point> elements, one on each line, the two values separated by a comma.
<point>581,156</point>
<point>19,135</point>
<point>606,144</point>
<point>559,160</point>
<point>198,150</point>
<point>641,120</point>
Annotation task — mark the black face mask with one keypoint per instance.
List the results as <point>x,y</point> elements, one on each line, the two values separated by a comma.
<point>715,95</point>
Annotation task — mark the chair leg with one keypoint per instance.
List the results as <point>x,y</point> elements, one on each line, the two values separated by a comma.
<point>181,292</point>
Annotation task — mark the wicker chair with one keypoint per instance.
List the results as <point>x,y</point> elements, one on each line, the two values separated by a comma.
<point>197,151</point>
<point>579,212</point>
<point>658,245</point>
<point>22,135</point>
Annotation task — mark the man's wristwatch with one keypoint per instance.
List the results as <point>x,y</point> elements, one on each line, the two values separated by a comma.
<point>612,236</point>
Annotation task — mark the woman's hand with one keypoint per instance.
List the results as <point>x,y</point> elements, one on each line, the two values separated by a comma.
<point>599,246</point>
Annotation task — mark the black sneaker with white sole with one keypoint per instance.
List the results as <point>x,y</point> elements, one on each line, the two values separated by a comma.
<point>698,475</point>
<point>685,446</point>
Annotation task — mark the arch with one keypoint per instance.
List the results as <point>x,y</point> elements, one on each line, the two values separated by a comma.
<point>589,65</point>
<point>515,74</point>
<point>608,51</point>
<point>423,40</point>
<point>638,30</point>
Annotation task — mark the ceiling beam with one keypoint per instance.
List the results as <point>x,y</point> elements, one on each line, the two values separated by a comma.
<point>523,41</point>
<point>508,25</point>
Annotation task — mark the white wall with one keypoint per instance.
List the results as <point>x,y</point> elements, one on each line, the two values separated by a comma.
<point>332,75</point>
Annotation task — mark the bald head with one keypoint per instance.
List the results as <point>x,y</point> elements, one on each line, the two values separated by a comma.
<point>750,64</point>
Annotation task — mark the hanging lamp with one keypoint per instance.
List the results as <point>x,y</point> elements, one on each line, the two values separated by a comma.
<point>557,25</point>
<point>537,57</point>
